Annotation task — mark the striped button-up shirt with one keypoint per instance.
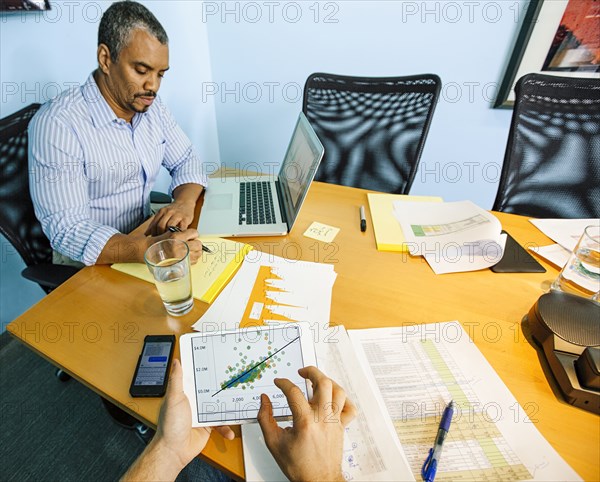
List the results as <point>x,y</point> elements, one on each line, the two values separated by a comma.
<point>91,173</point>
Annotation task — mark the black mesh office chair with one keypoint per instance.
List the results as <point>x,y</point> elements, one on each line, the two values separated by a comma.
<point>18,223</point>
<point>373,129</point>
<point>552,161</point>
<point>22,229</point>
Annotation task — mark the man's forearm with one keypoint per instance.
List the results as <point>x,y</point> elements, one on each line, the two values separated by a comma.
<point>187,193</point>
<point>154,464</point>
<point>124,248</point>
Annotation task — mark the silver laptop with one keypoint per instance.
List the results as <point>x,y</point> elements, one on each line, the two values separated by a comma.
<point>263,205</point>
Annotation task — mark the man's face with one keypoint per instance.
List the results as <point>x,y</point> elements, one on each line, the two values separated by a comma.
<point>134,79</point>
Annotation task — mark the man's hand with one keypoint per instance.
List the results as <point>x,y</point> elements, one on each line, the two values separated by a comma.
<point>178,213</point>
<point>190,236</point>
<point>175,433</point>
<point>130,248</point>
<point>176,443</point>
<point>312,448</point>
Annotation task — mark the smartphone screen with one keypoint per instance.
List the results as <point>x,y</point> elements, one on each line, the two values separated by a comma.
<point>150,378</point>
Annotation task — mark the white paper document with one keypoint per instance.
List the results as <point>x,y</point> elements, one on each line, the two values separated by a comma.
<point>269,289</point>
<point>259,464</point>
<point>453,237</point>
<point>565,232</point>
<point>371,448</point>
<point>554,253</point>
<point>419,369</point>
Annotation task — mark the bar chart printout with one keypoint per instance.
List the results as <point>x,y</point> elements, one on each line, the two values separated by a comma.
<point>232,370</point>
<point>419,371</point>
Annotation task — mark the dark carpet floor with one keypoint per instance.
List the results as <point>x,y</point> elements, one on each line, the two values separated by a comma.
<point>52,430</point>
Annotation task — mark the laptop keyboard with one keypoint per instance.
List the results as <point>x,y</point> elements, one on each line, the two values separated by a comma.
<point>256,203</point>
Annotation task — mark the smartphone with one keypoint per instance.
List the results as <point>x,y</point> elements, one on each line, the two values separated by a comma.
<point>151,373</point>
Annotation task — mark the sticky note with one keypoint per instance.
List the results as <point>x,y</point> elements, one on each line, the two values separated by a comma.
<point>321,232</point>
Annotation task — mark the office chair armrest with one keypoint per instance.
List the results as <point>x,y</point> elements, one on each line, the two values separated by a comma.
<point>49,275</point>
<point>157,197</point>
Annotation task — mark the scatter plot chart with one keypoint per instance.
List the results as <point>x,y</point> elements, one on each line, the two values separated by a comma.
<point>231,370</point>
<point>246,372</point>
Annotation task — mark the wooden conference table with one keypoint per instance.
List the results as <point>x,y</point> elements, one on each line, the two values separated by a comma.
<point>93,325</point>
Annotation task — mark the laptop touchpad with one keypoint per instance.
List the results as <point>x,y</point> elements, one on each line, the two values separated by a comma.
<point>219,201</point>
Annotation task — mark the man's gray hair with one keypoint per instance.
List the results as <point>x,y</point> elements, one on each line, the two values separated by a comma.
<point>121,19</point>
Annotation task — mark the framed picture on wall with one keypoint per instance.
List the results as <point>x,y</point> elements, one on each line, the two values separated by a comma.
<point>23,5</point>
<point>557,37</point>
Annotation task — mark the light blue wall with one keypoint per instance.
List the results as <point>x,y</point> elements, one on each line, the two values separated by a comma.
<point>224,56</point>
<point>42,54</point>
<point>258,49</point>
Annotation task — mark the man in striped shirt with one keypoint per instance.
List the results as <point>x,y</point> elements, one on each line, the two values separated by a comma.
<point>95,151</point>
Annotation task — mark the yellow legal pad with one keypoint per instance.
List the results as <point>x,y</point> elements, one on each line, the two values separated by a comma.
<point>210,274</point>
<point>388,233</point>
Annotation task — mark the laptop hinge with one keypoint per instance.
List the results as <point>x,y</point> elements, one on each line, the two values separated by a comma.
<point>280,200</point>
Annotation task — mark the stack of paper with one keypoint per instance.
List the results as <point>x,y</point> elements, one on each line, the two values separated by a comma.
<point>453,237</point>
<point>269,289</point>
<point>418,370</point>
<point>209,274</point>
<point>566,233</point>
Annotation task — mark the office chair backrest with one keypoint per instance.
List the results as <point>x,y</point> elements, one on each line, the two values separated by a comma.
<point>17,218</point>
<point>373,129</point>
<point>552,161</point>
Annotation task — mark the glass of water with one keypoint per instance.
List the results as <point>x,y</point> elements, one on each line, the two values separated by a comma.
<point>169,263</point>
<point>581,274</point>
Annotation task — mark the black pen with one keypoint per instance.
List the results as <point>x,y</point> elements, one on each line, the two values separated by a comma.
<point>176,229</point>
<point>363,219</point>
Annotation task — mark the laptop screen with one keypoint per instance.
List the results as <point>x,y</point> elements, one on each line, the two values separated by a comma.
<point>299,166</point>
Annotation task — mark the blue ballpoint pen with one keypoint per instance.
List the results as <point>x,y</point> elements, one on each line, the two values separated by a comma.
<point>431,462</point>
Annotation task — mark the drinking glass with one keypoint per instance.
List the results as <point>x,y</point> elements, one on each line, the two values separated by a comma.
<point>581,274</point>
<point>169,263</point>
